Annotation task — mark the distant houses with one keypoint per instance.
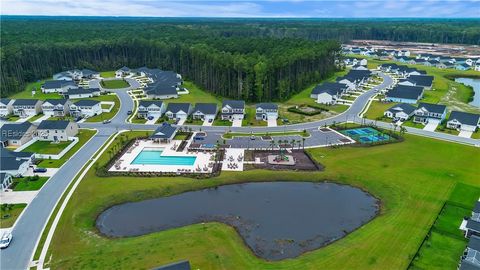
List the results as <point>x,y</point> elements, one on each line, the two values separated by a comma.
<point>76,75</point>
<point>58,86</point>
<point>27,107</point>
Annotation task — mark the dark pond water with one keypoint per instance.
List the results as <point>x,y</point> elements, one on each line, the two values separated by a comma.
<point>277,220</point>
<point>475,84</point>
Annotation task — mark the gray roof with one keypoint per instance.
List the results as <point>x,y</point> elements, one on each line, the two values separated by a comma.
<point>77,91</point>
<point>146,103</point>
<point>404,107</point>
<point>164,82</point>
<point>465,118</point>
<point>206,108</point>
<point>466,265</point>
<point>12,131</point>
<point>476,209</point>
<point>182,265</point>
<point>124,68</point>
<point>420,80</point>
<point>57,84</point>
<point>330,88</point>
<point>86,102</point>
<point>88,72</point>
<point>433,108</point>
<point>53,124</point>
<point>268,106</point>
<point>235,104</point>
<point>5,101</point>
<point>474,242</point>
<point>164,131</point>
<point>405,92</point>
<point>12,160</point>
<point>473,225</point>
<point>25,102</point>
<point>56,101</point>
<point>3,177</point>
<point>176,107</point>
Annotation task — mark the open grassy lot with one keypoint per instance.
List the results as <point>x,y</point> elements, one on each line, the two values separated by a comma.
<point>29,183</point>
<point>196,95</point>
<point>27,92</point>
<point>114,84</point>
<point>249,118</point>
<point>46,147</point>
<point>106,115</point>
<point>9,214</point>
<point>413,184</point>
<point>376,109</point>
<point>107,74</point>
<point>83,135</point>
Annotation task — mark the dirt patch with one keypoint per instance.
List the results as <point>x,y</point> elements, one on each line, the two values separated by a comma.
<point>303,162</point>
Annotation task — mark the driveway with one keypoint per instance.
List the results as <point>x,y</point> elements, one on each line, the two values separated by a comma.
<point>153,121</point>
<point>181,121</point>
<point>431,125</point>
<point>272,122</point>
<point>49,173</point>
<point>237,123</point>
<point>45,117</point>
<point>17,196</point>
<point>21,120</point>
<point>465,134</point>
<point>206,123</point>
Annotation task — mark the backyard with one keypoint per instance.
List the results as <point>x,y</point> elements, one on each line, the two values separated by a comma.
<point>9,214</point>
<point>411,196</point>
<point>106,115</point>
<point>47,147</point>
<point>114,84</point>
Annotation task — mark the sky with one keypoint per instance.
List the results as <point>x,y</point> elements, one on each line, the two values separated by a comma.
<point>243,8</point>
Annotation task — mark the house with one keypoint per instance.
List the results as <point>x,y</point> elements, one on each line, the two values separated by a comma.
<point>400,112</point>
<point>233,109</point>
<point>164,84</point>
<point>123,72</point>
<point>462,67</point>
<point>471,256</point>
<point>419,61</point>
<point>404,94</point>
<point>426,112</point>
<point>205,111</point>
<point>153,108</point>
<point>63,76</point>
<point>16,134</point>
<point>463,121</point>
<point>27,107</point>
<point>266,111</point>
<point>58,86</point>
<point>355,78</point>
<point>50,130</point>
<point>77,74</point>
<point>15,163</point>
<point>86,108</point>
<point>164,133</point>
<point>181,265</point>
<point>81,93</point>
<point>178,110</point>
<point>5,181</point>
<point>56,107</point>
<point>328,93</point>
<point>6,106</point>
<point>89,74</point>
<point>418,80</point>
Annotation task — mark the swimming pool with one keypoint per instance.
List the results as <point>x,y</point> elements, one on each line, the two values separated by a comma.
<point>366,135</point>
<point>154,157</point>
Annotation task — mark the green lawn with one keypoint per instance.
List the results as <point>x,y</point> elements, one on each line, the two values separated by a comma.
<point>47,147</point>
<point>114,84</point>
<point>376,110</point>
<point>34,118</point>
<point>413,184</point>
<point>249,117</point>
<point>196,95</point>
<point>29,183</point>
<point>9,213</point>
<point>410,123</point>
<point>106,115</point>
<point>137,120</point>
<point>220,122</point>
<point>180,136</point>
<point>12,118</point>
<point>191,121</point>
<point>107,74</point>
<point>83,135</point>
<point>476,135</point>
<point>27,92</point>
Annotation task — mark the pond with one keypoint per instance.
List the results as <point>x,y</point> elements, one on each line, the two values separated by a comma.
<point>475,84</point>
<point>277,220</point>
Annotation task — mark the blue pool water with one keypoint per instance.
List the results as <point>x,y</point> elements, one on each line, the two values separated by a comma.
<point>154,157</point>
<point>366,135</point>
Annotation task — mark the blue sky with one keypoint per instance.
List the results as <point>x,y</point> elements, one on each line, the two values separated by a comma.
<point>237,8</point>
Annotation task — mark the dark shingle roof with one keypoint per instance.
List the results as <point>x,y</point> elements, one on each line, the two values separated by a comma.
<point>433,108</point>
<point>465,118</point>
<point>268,106</point>
<point>420,80</point>
<point>9,159</point>
<point>473,225</point>
<point>164,82</point>
<point>146,103</point>
<point>235,104</point>
<point>56,101</point>
<point>330,88</point>
<point>5,101</point>
<point>176,107</point>
<point>474,242</point>
<point>53,124</point>
<point>87,102</point>
<point>14,131</point>
<point>77,91</point>
<point>466,265</point>
<point>164,131</point>
<point>206,108</point>
<point>182,265</point>
<point>25,102</point>
<point>477,207</point>
<point>406,108</point>
<point>57,84</point>
<point>405,92</point>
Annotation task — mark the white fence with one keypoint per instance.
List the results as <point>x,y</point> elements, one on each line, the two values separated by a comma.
<point>74,141</point>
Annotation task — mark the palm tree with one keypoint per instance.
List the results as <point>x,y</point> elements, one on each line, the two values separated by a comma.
<point>303,143</point>
<point>292,142</point>
<point>272,144</point>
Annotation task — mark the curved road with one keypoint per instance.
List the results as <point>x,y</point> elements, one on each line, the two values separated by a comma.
<point>29,227</point>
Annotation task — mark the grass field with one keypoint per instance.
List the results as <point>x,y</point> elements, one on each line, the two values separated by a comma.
<point>107,74</point>
<point>106,115</point>
<point>412,184</point>
<point>46,147</point>
<point>83,135</point>
<point>249,118</point>
<point>25,184</point>
<point>34,118</point>
<point>27,92</point>
<point>8,215</point>
<point>114,84</point>
<point>376,110</point>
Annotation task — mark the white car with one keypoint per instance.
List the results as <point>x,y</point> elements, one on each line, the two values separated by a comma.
<point>5,240</point>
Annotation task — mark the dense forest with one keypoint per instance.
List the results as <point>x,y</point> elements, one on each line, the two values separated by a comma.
<point>252,59</point>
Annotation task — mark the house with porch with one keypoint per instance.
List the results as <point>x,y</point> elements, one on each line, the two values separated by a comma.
<point>13,134</point>
<point>6,106</point>
<point>463,121</point>
<point>400,112</point>
<point>462,66</point>
<point>81,93</point>
<point>56,107</point>
<point>266,111</point>
<point>428,112</point>
<point>164,133</point>
<point>470,259</point>
<point>233,109</point>
<point>404,94</point>
<point>6,181</point>
<point>205,111</point>
<point>27,107</point>
<point>164,84</point>
<point>15,163</point>
<point>58,86</point>
<point>86,108</point>
<point>150,108</point>
<point>55,131</point>
<point>178,111</point>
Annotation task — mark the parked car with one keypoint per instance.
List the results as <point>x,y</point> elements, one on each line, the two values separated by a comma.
<point>150,117</point>
<point>129,112</point>
<point>78,119</point>
<point>210,120</point>
<point>40,170</point>
<point>107,121</point>
<point>5,240</point>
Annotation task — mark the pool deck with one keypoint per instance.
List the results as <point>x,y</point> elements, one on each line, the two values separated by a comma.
<point>124,164</point>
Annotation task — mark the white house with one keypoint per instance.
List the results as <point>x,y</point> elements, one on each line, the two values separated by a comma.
<point>5,181</point>
<point>85,108</point>
<point>15,163</point>
<point>328,93</point>
<point>178,110</point>
<point>56,107</point>
<point>50,130</point>
<point>404,94</point>
<point>27,107</point>
<point>400,112</point>
<point>233,109</point>
<point>6,106</point>
<point>123,72</point>
<point>418,80</point>
<point>266,111</point>
<point>150,108</point>
<point>205,111</point>
<point>463,121</point>
<point>58,86</point>
<point>82,93</point>
<point>13,134</point>
<point>427,112</point>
